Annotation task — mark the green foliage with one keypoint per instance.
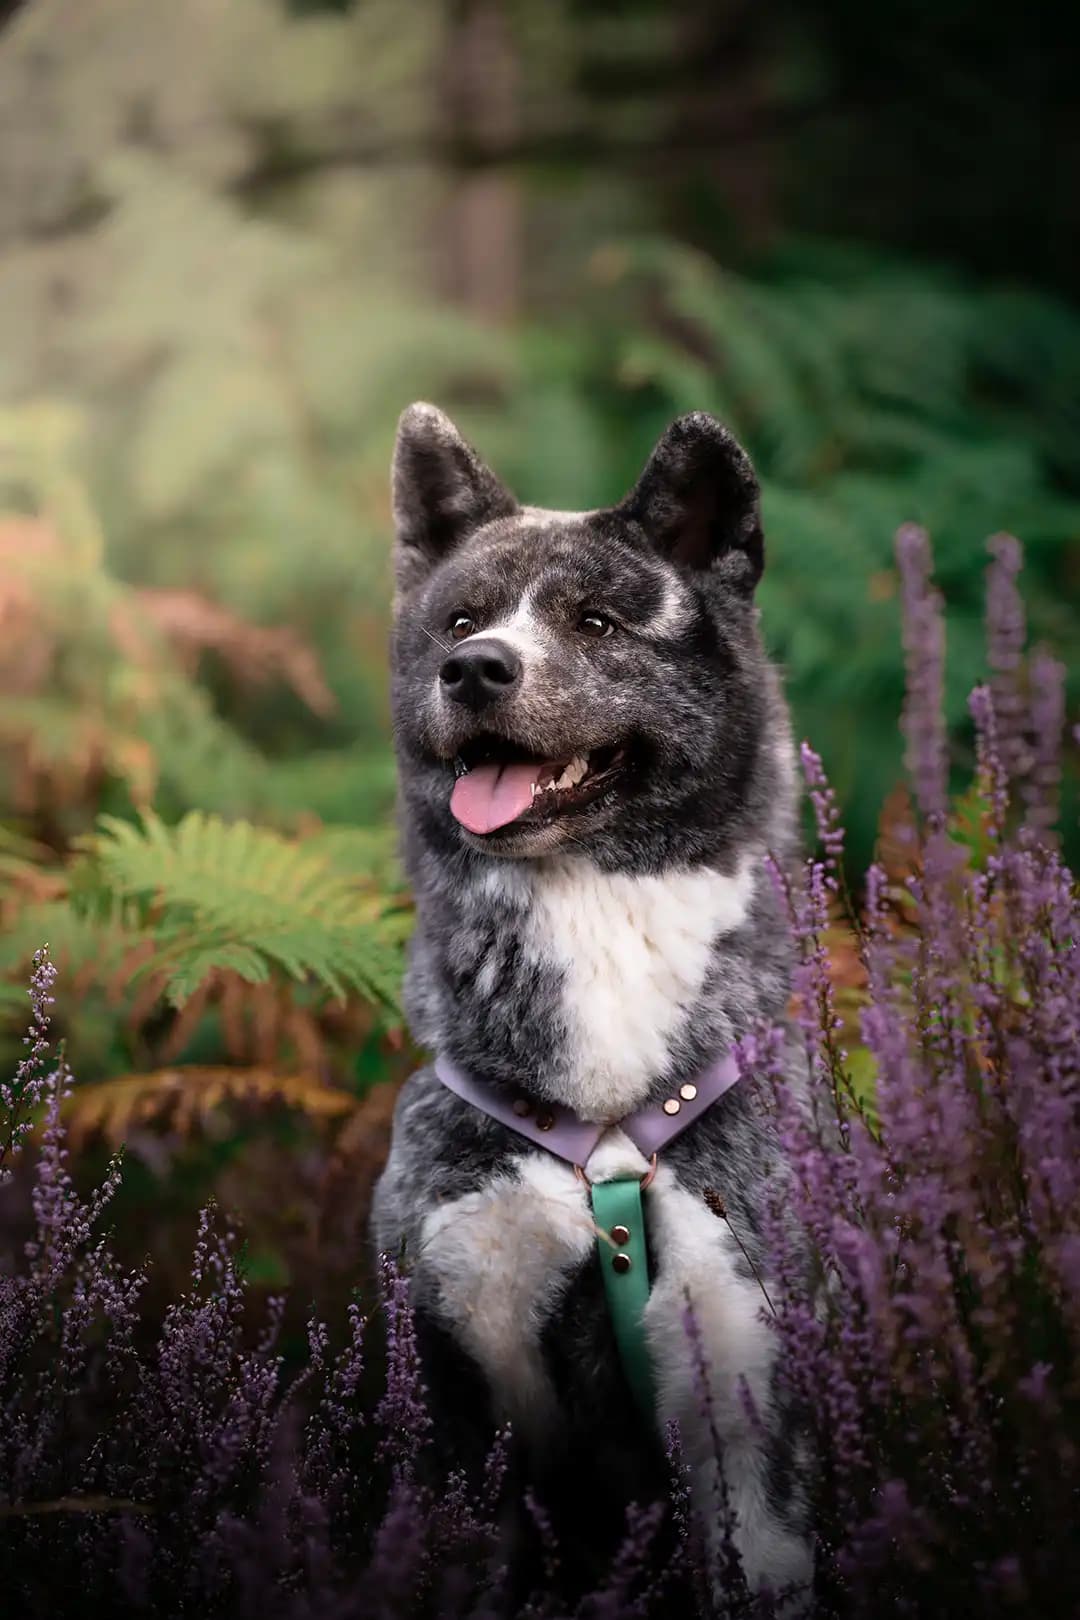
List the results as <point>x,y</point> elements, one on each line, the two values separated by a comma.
<point>853,429</point>
<point>870,392</point>
<point>212,896</point>
<point>114,698</point>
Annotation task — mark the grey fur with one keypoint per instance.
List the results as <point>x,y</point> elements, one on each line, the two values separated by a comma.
<point>685,685</point>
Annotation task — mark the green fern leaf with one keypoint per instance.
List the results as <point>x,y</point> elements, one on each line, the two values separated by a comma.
<point>231,895</point>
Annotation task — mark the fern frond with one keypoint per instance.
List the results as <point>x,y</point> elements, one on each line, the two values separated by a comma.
<point>360,852</point>
<point>229,956</point>
<point>254,653</point>
<point>183,1098</point>
<point>27,872</point>
<point>215,894</point>
<point>78,940</point>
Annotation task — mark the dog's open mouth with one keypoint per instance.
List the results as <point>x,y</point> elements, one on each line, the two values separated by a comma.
<point>498,783</point>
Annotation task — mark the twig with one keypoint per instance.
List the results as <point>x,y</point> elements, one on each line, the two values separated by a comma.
<point>72,1504</point>
<point>718,1207</point>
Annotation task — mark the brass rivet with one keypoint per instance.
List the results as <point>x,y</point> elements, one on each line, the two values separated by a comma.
<point>672,1105</point>
<point>620,1234</point>
<point>621,1263</point>
<point>688,1092</point>
<point>544,1122</point>
<point>522,1107</point>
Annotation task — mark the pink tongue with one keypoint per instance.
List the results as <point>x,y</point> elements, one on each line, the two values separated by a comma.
<point>492,795</point>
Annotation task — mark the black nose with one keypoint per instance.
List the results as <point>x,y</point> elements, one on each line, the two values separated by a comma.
<point>480,673</point>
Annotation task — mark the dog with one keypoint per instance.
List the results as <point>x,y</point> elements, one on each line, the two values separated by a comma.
<point>594,759</point>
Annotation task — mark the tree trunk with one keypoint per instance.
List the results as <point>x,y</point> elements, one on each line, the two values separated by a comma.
<point>480,248</point>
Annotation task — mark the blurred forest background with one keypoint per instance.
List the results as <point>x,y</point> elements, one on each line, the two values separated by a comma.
<point>236,237</point>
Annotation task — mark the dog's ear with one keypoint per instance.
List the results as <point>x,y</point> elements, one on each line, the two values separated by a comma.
<point>441,492</point>
<point>699,503</point>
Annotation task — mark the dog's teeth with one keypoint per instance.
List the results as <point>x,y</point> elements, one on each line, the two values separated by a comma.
<point>572,773</point>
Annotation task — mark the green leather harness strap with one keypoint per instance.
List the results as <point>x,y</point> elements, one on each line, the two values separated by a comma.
<point>620,1216</point>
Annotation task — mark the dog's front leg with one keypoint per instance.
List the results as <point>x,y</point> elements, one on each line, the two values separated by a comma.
<point>457,1396</point>
<point>715,1379</point>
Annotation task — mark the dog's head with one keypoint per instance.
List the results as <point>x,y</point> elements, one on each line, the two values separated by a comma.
<point>580,680</point>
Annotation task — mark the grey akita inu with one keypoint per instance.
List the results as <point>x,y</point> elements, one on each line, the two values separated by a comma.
<point>594,758</point>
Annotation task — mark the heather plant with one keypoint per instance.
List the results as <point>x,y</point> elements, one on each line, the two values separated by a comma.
<point>932,1344</point>
<point>936,1348</point>
<point>182,1469</point>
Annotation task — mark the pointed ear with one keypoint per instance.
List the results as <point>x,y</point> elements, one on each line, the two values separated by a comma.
<point>441,492</point>
<point>698,502</point>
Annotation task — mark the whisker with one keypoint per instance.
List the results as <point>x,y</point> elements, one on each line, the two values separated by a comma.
<point>578,841</point>
<point>439,642</point>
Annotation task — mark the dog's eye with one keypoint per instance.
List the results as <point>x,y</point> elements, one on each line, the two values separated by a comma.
<point>596,624</point>
<point>461,625</point>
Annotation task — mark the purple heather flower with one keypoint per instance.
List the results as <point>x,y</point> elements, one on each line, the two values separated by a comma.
<point>20,1096</point>
<point>402,1412</point>
<point>826,810</point>
<point>1047,686</point>
<point>991,765</point>
<point>924,650</point>
<point>616,1599</point>
<point>1005,634</point>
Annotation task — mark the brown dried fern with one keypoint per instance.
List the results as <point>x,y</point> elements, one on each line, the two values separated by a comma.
<point>184,1098</point>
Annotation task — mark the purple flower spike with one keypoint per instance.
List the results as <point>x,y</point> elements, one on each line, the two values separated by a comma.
<point>924,651</point>
<point>1047,681</point>
<point>1005,634</point>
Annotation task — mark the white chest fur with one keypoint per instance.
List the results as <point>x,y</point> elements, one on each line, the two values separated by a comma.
<point>634,953</point>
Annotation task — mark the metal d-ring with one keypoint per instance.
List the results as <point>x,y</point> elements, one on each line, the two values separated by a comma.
<point>646,1180</point>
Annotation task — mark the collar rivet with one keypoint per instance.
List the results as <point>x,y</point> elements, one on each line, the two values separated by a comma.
<point>562,1132</point>
<point>620,1235</point>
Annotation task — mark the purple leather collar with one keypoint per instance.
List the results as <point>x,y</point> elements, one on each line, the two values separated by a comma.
<point>561,1132</point>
